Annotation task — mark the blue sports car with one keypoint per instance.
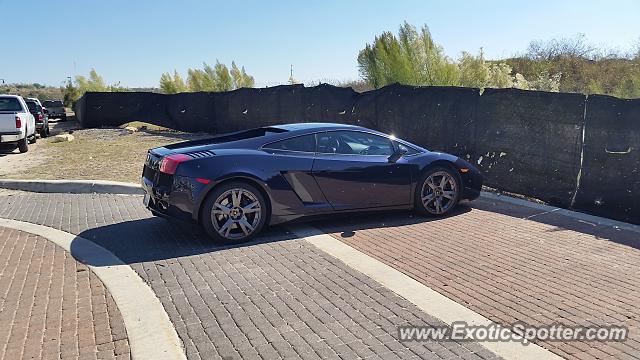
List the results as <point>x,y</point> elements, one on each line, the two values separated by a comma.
<point>235,184</point>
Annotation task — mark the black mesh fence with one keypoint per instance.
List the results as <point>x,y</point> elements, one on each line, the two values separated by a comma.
<point>526,142</point>
<point>610,176</point>
<point>529,142</point>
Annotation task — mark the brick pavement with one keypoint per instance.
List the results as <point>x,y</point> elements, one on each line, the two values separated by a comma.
<point>277,297</point>
<point>511,263</point>
<point>53,307</point>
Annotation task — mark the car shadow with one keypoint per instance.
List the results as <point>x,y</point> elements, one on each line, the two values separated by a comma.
<point>6,149</point>
<point>155,238</point>
<point>348,224</point>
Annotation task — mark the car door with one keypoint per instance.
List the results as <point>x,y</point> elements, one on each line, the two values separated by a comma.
<point>296,191</point>
<point>354,170</point>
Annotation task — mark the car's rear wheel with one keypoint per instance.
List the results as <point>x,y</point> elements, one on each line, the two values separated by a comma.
<point>234,212</point>
<point>23,145</point>
<point>438,191</point>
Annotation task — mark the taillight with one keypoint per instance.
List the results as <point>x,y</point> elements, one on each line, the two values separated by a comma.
<point>18,122</point>
<point>170,163</point>
<point>40,117</point>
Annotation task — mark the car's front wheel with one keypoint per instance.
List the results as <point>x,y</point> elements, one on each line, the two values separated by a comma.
<point>438,191</point>
<point>234,212</point>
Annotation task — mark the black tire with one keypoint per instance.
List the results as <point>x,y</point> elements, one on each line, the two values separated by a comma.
<point>44,133</point>
<point>23,145</point>
<point>238,231</point>
<point>442,195</point>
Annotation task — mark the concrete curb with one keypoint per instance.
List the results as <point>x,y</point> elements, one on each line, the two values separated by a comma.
<point>560,211</point>
<point>149,330</point>
<point>72,186</point>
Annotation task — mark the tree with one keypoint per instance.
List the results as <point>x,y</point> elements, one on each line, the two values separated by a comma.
<point>216,78</point>
<point>412,58</point>
<point>172,85</point>
<point>71,94</point>
<point>240,77</point>
<point>583,67</point>
<point>223,81</point>
<point>195,80</point>
<point>475,71</point>
<point>95,82</point>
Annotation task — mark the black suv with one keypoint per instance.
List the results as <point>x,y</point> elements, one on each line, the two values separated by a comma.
<point>42,120</point>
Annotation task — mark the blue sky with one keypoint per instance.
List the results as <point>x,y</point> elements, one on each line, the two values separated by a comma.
<point>134,41</point>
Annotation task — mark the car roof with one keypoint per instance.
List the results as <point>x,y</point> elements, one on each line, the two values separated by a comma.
<point>12,96</point>
<point>314,126</point>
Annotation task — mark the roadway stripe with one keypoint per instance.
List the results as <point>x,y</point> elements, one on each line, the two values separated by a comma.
<point>151,334</point>
<point>425,298</point>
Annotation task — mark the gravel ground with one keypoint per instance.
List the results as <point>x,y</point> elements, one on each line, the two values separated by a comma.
<point>106,153</point>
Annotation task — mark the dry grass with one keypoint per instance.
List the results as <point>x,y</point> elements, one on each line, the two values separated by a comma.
<point>105,154</point>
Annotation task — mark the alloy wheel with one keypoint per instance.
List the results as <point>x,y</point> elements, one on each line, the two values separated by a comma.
<point>439,192</point>
<point>236,213</point>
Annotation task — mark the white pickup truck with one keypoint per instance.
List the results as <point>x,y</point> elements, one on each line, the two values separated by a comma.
<point>17,125</point>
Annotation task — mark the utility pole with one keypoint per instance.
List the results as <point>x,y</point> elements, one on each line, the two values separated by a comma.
<point>291,72</point>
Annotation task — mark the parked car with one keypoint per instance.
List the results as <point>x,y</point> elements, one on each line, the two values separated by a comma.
<point>42,120</point>
<point>55,109</point>
<point>234,184</point>
<point>37,101</point>
<point>17,125</point>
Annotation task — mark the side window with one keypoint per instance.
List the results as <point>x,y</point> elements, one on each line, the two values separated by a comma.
<point>305,143</point>
<point>353,143</point>
<point>406,149</point>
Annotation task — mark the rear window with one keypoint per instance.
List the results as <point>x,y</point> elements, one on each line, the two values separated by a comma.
<point>33,107</point>
<point>52,103</point>
<point>10,104</point>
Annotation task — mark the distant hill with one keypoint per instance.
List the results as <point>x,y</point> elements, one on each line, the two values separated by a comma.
<point>36,90</point>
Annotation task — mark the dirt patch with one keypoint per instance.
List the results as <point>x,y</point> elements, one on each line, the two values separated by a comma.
<point>106,154</point>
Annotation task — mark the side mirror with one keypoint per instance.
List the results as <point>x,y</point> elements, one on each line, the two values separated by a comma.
<point>397,155</point>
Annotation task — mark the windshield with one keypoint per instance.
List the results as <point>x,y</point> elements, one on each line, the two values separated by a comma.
<point>10,104</point>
